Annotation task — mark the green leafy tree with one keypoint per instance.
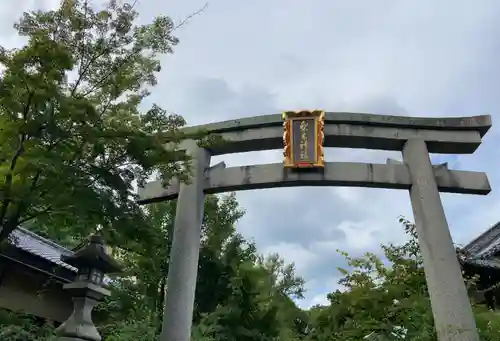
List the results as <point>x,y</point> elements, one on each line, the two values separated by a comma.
<point>139,293</point>
<point>73,140</point>
<point>283,275</point>
<point>249,312</point>
<point>386,301</point>
<point>233,285</point>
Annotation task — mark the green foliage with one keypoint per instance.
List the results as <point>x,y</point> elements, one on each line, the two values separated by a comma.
<point>488,323</point>
<point>237,296</point>
<point>132,330</point>
<point>249,312</point>
<point>233,289</point>
<point>20,327</point>
<point>244,296</point>
<point>386,300</point>
<point>283,276</point>
<point>72,135</point>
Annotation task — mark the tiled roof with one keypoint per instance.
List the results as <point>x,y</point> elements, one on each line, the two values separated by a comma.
<point>484,263</point>
<point>41,247</point>
<point>482,250</point>
<point>44,248</point>
<point>485,244</point>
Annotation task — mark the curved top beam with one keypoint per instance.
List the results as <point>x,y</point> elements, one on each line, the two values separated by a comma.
<point>480,124</point>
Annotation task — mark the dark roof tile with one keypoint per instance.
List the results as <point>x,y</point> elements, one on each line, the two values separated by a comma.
<point>41,247</point>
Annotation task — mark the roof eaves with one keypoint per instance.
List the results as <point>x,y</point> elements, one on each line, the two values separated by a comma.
<point>41,247</point>
<point>484,239</point>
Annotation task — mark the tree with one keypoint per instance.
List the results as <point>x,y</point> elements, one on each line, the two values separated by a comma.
<point>249,313</point>
<point>73,140</point>
<point>230,276</point>
<point>386,300</point>
<point>283,275</point>
<point>140,292</point>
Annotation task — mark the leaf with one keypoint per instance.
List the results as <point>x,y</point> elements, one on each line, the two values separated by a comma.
<point>73,137</point>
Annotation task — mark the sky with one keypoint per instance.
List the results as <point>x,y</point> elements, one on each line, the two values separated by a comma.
<point>247,58</point>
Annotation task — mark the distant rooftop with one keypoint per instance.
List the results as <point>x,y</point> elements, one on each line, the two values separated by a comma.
<point>46,249</point>
<point>41,247</point>
<point>483,249</point>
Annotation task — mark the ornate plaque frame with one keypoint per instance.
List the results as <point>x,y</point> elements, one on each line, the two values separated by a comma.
<point>288,138</point>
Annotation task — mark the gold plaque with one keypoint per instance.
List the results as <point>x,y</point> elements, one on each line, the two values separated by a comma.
<point>303,139</point>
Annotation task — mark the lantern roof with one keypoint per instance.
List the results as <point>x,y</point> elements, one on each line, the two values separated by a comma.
<point>93,255</point>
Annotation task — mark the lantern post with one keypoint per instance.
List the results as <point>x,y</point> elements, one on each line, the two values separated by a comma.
<point>87,290</point>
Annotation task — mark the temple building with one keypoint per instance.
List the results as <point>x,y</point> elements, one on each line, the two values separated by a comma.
<point>32,276</point>
<point>480,260</point>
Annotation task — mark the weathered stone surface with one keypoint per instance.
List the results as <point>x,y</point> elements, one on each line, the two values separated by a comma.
<point>395,176</point>
<point>450,304</point>
<point>79,326</point>
<point>481,123</point>
<point>453,135</point>
<point>184,253</point>
<point>353,136</point>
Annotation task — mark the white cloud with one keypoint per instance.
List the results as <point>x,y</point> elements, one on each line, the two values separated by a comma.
<point>318,300</point>
<point>303,256</point>
<point>359,235</point>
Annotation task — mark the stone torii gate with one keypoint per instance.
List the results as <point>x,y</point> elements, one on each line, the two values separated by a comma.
<point>416,137</point>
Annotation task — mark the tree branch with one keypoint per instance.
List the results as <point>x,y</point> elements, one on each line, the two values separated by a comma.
<point>190,16</point>
<point>13,163</point>
<point>35,215</point>
<point>127,58</point>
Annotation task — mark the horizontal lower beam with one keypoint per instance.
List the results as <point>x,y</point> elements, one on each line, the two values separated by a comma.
<point>391,176</point>
<point>353,136</point>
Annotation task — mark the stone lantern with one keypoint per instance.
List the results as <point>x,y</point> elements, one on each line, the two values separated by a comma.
<point>93,263</point>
